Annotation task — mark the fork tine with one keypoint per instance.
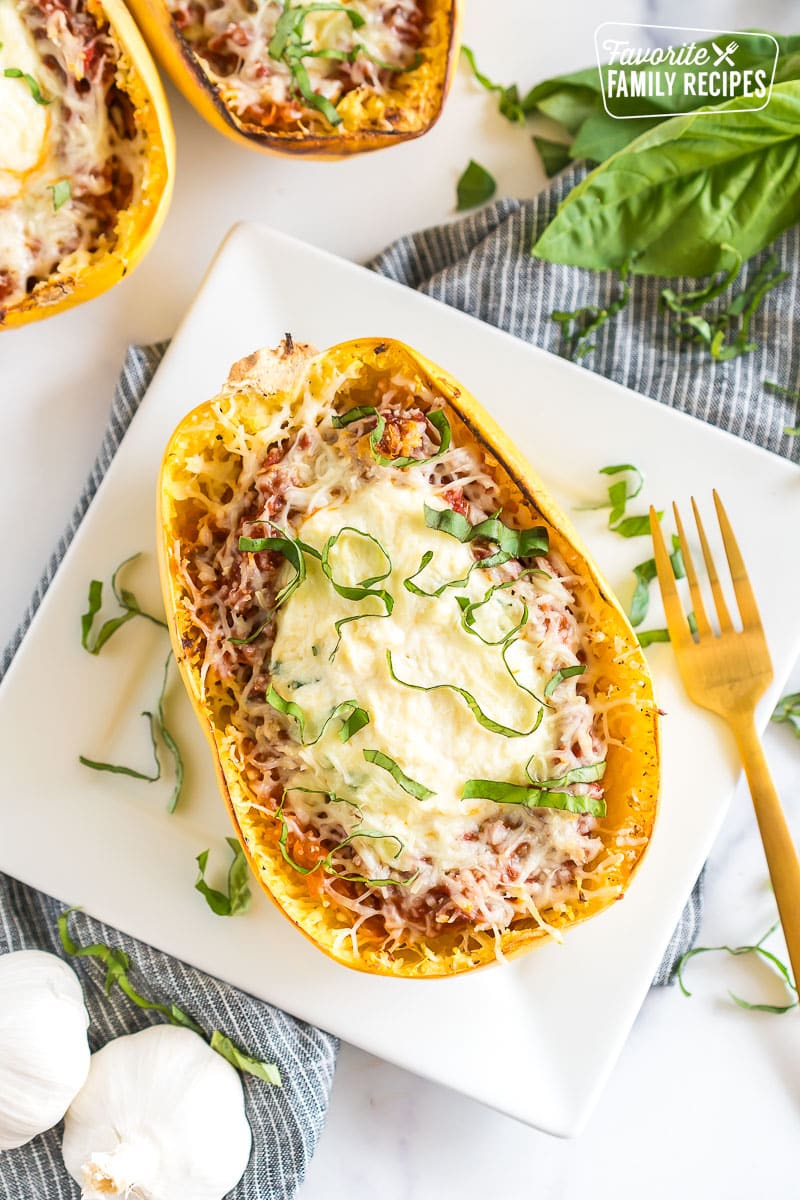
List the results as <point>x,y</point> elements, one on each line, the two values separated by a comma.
<point>741,583</point>
<point>725,623</point>
<point>703,626</point>
<point>673,609</point>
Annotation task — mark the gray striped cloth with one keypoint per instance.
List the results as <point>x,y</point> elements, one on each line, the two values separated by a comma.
<point>287,1121</point>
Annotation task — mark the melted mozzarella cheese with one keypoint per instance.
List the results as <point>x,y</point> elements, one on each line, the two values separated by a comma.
<point>23,122</point>
<point>432,735</point>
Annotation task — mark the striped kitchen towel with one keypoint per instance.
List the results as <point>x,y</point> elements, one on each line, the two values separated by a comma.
<point>286,1121</point>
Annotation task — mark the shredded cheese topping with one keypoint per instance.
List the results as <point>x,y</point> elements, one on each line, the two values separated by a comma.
<point>71,164</point>
<point>415,864</point>
<point>232,40</point>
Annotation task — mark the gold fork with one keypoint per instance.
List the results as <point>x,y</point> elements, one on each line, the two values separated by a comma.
<point>728,673</point>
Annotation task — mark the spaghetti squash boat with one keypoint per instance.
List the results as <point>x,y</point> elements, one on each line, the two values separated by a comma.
<point>432,723</point>
<point>325,80</point>
<point>86,153</point>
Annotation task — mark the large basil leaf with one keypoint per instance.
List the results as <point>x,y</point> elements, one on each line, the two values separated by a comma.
<point>667,203</point>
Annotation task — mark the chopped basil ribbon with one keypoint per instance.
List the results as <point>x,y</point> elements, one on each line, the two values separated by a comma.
<point>239,897</point>
<point>62,192</point>
<point>645,573</point>
<point>35,90</point>
<point>436,418</point>
<point>326,863</point>
<point>287,46</point>
<point>648,636</point>
<point>475,186</point>
<point>516,543</point>
<point>758,949</point>
<point>787,712</point>
<point>541,794</point>
<point>618,497</point>
<point>355,716</point>
<point>579,324</point>
<point>293,550</point>
<point>417,790</point>
<point>245,1062</point>
<point>359,591</point>
<point>470,701</point>
<point>157,726</point>
<point>124,598</point>
<point>118,964</point>
<point>559,676</point>
<point>469,608</point>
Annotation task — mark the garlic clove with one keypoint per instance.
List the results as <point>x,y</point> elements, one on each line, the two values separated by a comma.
<point>160,1117</point>
<point>44,1051</point>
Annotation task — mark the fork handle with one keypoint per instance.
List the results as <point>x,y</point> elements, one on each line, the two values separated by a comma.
<point>779,848</point>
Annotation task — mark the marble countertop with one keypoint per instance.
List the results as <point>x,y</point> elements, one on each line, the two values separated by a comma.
<point>706,1097</point>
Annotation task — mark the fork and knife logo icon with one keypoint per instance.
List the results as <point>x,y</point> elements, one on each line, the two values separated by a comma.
<point>724,54</point>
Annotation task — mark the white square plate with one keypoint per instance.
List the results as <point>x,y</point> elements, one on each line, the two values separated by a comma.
<point>537,1038</point>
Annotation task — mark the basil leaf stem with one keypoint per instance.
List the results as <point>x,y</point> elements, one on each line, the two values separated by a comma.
<point>436,417</point>
<point>238,897</point>
<point>118,965</point>
<point>766,955</point>
<point>475,186</point>
<point>417,790</point>
<point>124,598</point>
<point>470,701</point>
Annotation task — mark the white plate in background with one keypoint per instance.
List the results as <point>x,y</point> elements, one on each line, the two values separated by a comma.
<point>535,1039</point>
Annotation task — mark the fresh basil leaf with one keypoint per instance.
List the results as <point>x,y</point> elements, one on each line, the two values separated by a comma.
<point>517,543</point>
<point>495,560</point>
<point>245,1062</point>
<point>125,599</point>
<point>362,590</point>
<point>287,45</point>
<point>238,897</point>
<point>159,723</point>
<point>35,90</point>
<point>115,769</point>
<point>651,203</point>
<point>630,527</point>
<point>648,636</point>
<point>531,797</point>
<point>588,774</point>
<point>470,607</point>
<point>417,790</point>
<point>645,574</point>
<point>294,551</point>
<point>560,675</point>
<point>787,712</point>
<point>475,186</point>
<point>117,964</point>
<point>555,156</point>
<point>472,704</point>
<point>436,417</point>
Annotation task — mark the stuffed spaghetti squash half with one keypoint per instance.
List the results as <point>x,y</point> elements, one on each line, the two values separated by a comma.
<point>432,724</point>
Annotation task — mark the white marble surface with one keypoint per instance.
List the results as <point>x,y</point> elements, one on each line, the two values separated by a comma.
<point>706,1098</point>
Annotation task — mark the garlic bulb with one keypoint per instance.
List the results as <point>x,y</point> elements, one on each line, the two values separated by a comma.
<point>44,1052</point>
<point>161,1117</point>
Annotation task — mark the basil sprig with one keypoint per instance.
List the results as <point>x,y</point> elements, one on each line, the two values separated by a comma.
<point>541,794</point>
<point>354,716</point>
<point>158,728</point>
<point>293,550</point>
<point>417,790</point>
<point>118,965</point>
<point>559,676</point>
<point>516,543</point>
<point>436,417</point>
<point>125,599</point>
<point>238,897</point>
<point>472,704</point>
